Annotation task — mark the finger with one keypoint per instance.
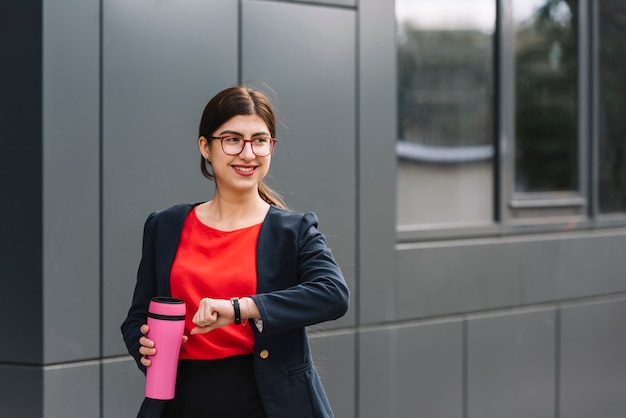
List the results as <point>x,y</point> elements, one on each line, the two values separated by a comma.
<point>200,330</point>
<point>145,361</point>
<point>185,339</point>
<point>203,311</point>
<point>204,319</point>
<point>144,329</point>
<point>205,315</point>
<point>146,342</point>
<point>147,351</point>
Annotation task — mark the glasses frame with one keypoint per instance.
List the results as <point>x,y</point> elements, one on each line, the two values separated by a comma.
<point>251,141</point>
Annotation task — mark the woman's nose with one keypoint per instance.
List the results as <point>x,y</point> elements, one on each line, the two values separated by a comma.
<point>247,153</point>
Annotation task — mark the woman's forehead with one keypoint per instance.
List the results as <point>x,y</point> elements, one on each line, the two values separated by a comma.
<point>245,124</point>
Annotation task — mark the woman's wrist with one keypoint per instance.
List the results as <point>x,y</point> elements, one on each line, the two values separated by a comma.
<point>249,309</point>
<point>245,310</point>
<point>242,309</point>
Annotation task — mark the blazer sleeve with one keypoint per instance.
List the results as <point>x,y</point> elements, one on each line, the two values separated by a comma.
<point>145,289</point>
<point>306,285</point>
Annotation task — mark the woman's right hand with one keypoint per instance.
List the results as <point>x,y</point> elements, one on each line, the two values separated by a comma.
<point>146,346</point>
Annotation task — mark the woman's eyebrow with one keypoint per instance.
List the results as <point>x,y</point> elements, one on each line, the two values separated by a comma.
<point>229,132</point>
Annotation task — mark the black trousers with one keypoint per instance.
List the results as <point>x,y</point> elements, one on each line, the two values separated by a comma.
<point>211,388</point>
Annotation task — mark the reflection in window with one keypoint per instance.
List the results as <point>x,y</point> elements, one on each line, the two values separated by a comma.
<point>546,80</point>
<point>445,111</point>
<point>612,106</point>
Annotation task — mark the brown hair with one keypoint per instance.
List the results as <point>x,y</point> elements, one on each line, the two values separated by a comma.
<point>231,102</point>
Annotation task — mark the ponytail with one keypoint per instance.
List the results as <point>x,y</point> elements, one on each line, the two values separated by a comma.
<point>271,196</point>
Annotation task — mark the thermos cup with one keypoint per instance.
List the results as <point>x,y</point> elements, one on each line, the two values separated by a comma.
<point>166,322</point>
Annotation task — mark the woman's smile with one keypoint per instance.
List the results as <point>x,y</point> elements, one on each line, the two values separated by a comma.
<point>244,170</point>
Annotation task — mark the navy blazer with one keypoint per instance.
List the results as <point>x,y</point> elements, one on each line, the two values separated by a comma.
<point>298,284</point>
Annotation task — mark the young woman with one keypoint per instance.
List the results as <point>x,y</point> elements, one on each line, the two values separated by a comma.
<point>253,276</point>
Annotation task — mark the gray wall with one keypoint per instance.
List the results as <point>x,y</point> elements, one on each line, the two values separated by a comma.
<point>99,129</point>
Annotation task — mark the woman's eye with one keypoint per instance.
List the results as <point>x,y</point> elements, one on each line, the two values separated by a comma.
<point>232,140</point>
<point>261,140</point>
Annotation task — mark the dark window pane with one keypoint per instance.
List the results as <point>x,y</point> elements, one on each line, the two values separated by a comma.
<point>612,106</point>
<point>546,83</point>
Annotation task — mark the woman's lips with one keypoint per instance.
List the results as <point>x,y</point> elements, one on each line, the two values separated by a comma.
<point>244,170</point>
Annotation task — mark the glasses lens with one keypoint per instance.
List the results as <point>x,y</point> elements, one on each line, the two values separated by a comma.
<point>261,146</point>
<point>232,145</point>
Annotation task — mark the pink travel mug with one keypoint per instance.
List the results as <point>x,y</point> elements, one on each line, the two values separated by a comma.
<point>166,320</point>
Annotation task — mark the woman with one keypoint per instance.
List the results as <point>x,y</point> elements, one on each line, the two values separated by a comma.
<point>253,276</point>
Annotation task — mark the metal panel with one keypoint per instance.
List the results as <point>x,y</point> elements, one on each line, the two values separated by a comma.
<point>21,186</point>
<point>377,161</point>
<point>453,279</point>
<point>376,374</point>
<point>511,365</point>
<point>593,365</point>
<point>312,72</point>
<point>412,371</point>
<point>162,61</point>
<point>334,358</point>
<point>464,276</point>
<point>122,388</point>
<point>429,365</point>
<point>72,390</point>
<point>21,391</point>
<point>71,185</point>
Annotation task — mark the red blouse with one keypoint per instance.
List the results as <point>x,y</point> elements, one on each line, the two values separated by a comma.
<point>215,264</point>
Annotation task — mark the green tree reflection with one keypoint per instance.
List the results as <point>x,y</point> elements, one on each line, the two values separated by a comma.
<point>612,106</point>
<point>546,127</point>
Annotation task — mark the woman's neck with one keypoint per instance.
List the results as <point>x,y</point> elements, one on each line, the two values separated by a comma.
<point>229,213</point>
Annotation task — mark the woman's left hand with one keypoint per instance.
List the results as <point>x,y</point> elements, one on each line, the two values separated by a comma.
<point>212,314</point>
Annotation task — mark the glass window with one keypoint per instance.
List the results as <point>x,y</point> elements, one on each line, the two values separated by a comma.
<point>612,106</point>
<point>445,111</point>
<point>546,99</point>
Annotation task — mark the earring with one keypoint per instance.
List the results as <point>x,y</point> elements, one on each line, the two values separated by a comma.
<point>208,161</point>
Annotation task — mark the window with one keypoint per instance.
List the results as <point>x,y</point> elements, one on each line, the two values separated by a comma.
<point>547,158</point>
<point>554,91</point>
<point>611,116</point>
<point>445,112</point>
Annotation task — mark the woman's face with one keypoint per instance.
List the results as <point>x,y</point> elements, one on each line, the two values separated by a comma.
<point>243,171</point>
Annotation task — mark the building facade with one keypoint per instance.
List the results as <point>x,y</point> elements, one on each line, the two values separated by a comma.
<point>465,158</point>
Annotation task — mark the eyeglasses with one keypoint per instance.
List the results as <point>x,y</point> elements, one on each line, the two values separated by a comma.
<point>262,146</point>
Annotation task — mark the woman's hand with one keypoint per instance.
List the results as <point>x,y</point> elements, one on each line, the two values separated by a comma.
<point>147,346</point>
<point>212,314</point>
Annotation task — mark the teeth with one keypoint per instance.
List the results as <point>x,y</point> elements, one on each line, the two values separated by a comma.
<point>245,169</point>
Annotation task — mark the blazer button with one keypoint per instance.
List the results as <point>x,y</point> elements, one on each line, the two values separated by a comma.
<point>264,354</point>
